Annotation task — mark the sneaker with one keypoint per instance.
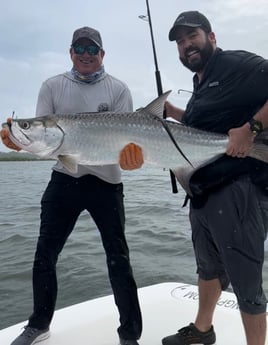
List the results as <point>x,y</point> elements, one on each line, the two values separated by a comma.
<point>191,335</point>
<point>128,342</point>
<point>31,336</point>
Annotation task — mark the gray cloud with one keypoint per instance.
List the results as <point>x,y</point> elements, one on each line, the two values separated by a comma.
<point>36,35</point>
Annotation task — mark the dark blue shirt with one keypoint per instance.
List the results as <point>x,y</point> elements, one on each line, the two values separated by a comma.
<point>233,88</point>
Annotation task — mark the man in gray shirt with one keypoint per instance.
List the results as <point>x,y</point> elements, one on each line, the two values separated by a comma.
<point>97,189</point>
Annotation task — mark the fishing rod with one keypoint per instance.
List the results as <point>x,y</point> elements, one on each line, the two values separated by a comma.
<point>157,72</point>
<point>158,80</point>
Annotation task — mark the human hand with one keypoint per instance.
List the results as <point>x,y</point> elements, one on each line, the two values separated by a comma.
<point>172,111</point>
<point>4,134</point>
<point>240,141</point>
<point>131,157</point>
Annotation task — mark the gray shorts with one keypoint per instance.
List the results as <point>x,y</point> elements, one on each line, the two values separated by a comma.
<point>228,235</point>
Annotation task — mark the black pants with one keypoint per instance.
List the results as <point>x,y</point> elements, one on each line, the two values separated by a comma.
<point>63,201</point>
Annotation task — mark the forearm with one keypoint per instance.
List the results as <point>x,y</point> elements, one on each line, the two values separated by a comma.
<point>178,114</point>
<point>241,138</point>
<point>262,115</point>
<point>172,111</point>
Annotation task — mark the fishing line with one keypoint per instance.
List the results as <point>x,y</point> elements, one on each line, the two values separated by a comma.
<point>164,124</point>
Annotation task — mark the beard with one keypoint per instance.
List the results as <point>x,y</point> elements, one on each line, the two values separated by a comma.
<point>199,64</point>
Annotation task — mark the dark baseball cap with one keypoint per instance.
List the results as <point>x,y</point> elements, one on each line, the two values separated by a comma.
<point>193,19</point>
<point>89,33</point>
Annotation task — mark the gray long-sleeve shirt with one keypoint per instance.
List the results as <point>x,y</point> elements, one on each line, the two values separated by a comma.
<point>62,94</point>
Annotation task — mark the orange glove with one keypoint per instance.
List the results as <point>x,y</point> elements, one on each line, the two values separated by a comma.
<point>4,133</point>
<point>131,157</point>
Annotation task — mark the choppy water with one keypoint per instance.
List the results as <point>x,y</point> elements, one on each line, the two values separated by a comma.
<point>157,230</point>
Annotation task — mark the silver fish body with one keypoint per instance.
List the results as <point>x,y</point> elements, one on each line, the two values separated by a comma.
<point>98,138</point>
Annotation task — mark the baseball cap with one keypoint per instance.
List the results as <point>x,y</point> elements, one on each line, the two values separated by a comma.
<point>192,19</point>
<point>89,33</point>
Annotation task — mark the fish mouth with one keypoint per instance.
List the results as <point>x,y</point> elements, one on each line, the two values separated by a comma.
<point>24,140</point>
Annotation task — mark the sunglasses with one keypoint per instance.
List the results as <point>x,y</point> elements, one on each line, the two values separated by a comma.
<point>91,50</point>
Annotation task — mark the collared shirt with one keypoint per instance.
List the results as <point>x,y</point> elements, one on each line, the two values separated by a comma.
<point>233,88</point>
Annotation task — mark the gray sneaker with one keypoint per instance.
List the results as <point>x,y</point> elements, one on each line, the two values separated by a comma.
<point>31,336</point>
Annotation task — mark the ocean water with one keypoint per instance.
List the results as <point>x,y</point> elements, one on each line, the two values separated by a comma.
<point>157,230</point>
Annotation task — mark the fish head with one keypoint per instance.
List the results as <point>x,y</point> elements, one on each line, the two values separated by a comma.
<point>40,135</point>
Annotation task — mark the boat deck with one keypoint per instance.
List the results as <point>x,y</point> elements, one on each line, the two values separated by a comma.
<point>166,307</point>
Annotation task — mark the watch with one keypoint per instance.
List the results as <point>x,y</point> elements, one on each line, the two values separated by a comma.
<point>256,127</point>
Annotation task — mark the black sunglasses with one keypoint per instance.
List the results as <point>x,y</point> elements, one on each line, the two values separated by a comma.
<point>91,50</point>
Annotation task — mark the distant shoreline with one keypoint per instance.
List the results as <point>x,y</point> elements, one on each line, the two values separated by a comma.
<point>19,156</point>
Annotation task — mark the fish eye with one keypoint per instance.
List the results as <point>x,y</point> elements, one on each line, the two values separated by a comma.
<point>25,124</point>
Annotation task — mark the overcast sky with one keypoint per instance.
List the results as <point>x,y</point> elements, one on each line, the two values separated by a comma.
<point>36,34</point>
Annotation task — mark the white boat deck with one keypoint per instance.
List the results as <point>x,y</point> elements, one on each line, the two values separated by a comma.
<point>165,307</point>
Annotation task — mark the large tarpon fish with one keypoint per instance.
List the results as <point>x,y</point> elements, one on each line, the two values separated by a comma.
<point>98,138</point>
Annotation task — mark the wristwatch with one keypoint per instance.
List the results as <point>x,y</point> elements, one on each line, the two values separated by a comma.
<point>256,127</point>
